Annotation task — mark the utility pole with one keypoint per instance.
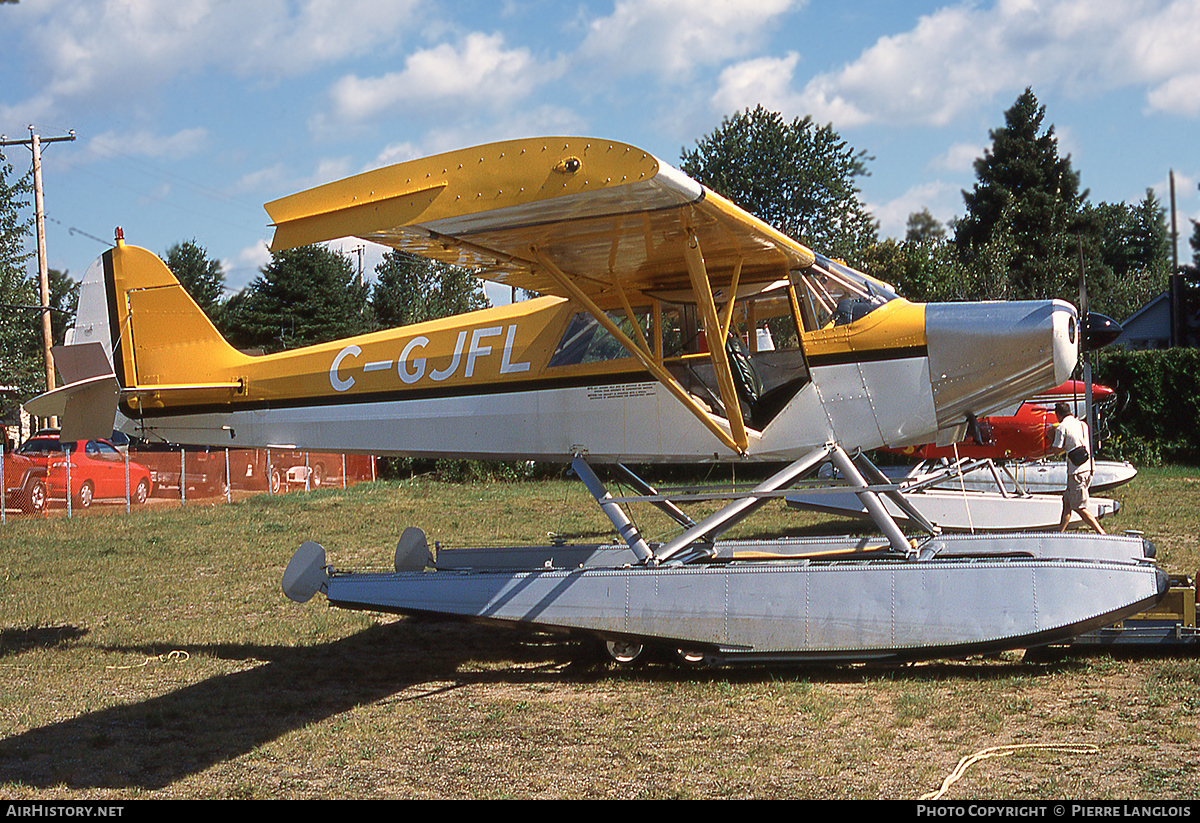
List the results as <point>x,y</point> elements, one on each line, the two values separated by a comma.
<point>35,143</point>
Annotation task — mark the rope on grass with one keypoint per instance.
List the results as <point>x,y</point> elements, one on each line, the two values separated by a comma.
<point>1003,751</point>
<point>178,654</point>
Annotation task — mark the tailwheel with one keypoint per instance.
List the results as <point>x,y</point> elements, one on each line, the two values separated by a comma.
<point>624,652</point>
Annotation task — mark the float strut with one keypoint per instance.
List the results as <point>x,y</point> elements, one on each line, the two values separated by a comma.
<point>871,501</point>
<point>624,526</point>
<point>741,508</point>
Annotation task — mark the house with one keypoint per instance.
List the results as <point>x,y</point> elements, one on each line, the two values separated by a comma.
<point>1149,327</point>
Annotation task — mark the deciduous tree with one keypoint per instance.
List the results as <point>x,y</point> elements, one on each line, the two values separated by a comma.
<point>200,276</point>
<point>21,358</point>
<point>409,289</point>
<point>797,176</point>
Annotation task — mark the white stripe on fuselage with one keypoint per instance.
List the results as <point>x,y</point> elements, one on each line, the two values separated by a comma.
<point>637,421</point>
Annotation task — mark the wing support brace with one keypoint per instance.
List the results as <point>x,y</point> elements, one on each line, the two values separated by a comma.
<point>720,360</point>
<point>647,359</point>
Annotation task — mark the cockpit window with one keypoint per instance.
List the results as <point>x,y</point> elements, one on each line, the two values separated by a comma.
<point>834,293</point>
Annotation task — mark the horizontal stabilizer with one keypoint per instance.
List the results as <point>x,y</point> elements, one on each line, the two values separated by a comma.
<point>86,408</point>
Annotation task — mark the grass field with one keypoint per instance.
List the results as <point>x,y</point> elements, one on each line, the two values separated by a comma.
<point>153,655</point>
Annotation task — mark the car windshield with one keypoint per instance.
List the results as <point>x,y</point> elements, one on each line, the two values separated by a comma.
<point>43,445</point>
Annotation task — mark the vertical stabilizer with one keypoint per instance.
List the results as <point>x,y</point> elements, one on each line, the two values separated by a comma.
<point>159,336</point>
<point>137,333</point>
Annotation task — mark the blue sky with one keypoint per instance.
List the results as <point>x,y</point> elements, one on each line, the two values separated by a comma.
<point>189,116</point>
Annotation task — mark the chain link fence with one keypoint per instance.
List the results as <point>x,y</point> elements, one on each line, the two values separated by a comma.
<point>96,475</point>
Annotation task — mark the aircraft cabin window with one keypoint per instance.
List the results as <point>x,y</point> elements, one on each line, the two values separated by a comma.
<point>762,348</point>
<point>586,341</point>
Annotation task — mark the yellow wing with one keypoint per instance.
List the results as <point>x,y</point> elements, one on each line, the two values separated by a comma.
<point>603,213</point>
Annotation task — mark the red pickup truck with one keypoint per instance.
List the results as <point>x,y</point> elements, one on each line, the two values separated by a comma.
<point>24,482</point>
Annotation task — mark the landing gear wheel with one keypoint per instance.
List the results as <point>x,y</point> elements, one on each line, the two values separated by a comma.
<point>690,657</point>
<point>624,652</point>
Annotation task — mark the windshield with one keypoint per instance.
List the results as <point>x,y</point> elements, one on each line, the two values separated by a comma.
<point>836,294</point>
<point>43,445</point>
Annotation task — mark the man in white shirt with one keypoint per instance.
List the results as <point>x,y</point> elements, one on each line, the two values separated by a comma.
<point>1071,437</point>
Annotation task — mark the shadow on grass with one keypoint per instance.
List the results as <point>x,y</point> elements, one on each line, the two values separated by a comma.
<point>15,641</point>
<point>151,744</point>
<point>156,742</point>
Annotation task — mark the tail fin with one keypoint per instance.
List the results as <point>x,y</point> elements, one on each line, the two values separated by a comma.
<point>154,336</point>
<point>157,333</point>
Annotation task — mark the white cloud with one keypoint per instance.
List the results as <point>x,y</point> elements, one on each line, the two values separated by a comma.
<point>962,56</point>
<point>99,54</point>
<point>480,71</point>
<point>765,80</point>
<point>959,158</point>
<point>396,153</point>
<point>1180,95</point>
<point>673,36</point>
<point>943,200</point>
<point>243,268</point>
<point>146,143</point>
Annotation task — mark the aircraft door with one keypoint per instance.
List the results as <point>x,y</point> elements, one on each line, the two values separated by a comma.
<point>762,346</point>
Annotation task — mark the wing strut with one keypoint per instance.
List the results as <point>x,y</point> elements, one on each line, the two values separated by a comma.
<point>716,348</point>
<point>646,358</point>
<point>727,321</point>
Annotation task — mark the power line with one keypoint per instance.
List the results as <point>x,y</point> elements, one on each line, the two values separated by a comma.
<point>35,142</point>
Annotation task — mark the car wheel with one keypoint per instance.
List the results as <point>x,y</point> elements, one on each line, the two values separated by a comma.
<point>142,492</point>
<point>276,481</point>
<point>86,494</point>
<point>33,499</point>
<point>317,477</point>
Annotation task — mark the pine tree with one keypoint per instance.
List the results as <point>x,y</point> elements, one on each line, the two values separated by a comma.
<point>303,296</point>
<point>1029,197</point>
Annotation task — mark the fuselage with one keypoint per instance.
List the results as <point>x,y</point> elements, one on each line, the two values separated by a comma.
<point>541,380</point>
